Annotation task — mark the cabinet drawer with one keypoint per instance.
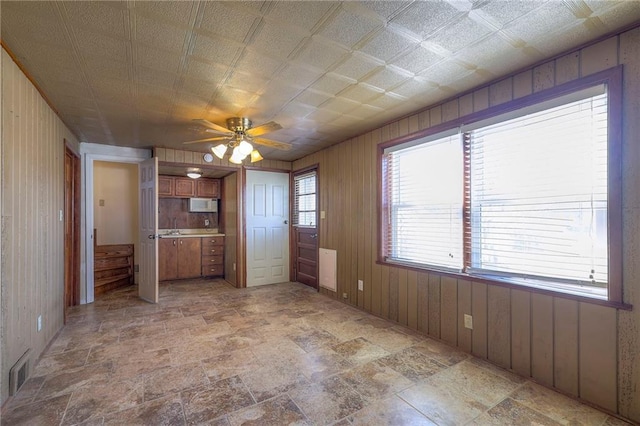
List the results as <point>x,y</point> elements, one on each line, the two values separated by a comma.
<point>212,242</point>
<point>212,270</point>
<point>213,251</point>
<point>212,260</point>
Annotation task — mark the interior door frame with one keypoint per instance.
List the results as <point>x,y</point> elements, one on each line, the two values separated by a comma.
<point>292,232</point>
<point>89,153</point>
<point>72,237</point>
<point>242,247</point>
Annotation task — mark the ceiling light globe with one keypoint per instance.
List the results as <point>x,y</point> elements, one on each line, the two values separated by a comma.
<point>245,148</point>
<point>219,150</point>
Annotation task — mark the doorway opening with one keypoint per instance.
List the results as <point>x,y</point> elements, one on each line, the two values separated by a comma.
<point>71,230</point>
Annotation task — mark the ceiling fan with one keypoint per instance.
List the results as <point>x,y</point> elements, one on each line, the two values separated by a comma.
<point>239,136</point>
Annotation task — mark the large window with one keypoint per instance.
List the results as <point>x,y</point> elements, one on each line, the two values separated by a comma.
<point>524,196</point>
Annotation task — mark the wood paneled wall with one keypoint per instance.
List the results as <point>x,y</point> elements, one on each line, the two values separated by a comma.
<point>190,157</point>
<point>585,350</point>
<point>32,233</point>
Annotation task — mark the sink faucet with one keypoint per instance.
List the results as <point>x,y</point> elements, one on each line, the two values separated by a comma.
<point>175,226</point>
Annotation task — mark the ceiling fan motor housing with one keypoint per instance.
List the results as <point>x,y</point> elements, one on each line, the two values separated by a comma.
<point>238,124</point>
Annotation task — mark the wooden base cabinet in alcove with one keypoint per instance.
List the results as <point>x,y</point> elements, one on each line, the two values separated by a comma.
<point>179,258</point>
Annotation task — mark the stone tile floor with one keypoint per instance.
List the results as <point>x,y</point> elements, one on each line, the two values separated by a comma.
<point>280,354</point>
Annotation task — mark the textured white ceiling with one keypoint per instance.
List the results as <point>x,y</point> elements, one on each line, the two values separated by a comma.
<point>135,73</point>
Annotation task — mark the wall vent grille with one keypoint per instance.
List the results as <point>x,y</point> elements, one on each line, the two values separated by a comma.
<point>19,373</point>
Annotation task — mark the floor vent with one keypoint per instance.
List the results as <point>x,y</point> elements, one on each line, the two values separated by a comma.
<point>19,373</point>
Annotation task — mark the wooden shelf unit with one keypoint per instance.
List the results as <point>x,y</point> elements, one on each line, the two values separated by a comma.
<point>112,267</point>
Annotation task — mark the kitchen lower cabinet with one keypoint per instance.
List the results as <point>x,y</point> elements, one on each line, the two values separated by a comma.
<point>212,256</point>
<point>179,258</point>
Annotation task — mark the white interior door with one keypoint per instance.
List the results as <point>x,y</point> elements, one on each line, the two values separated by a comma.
<point>267,224</point>
<point>148,278</point>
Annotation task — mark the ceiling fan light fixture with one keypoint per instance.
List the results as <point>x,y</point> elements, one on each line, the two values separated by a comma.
<point>219,150</point>
<point>245,148</point>
<point>236,157</point>
<point>255,156</point>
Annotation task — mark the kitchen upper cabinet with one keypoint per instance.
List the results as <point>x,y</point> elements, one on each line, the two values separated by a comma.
<point>181,187</point>
<point>208,188</point>
<point>185,187</point>
<point>179,258</point>
<point>166,186</point>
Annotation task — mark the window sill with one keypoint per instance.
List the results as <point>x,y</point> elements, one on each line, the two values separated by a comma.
<point>525,285</point>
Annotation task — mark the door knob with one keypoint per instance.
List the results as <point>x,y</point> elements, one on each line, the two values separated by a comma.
<point>152,237</point>
<point>314,235</point>
<point>286,221</point>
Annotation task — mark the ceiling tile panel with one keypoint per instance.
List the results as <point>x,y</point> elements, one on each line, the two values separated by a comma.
<point>444,72</point>
<point>413,88</point>
<point>152,32</point>
<point>417,60</point>
<point>306,15</point>
<point>313,98</point>
<point>198,87</point>
<point>178,12</point>
<point>320,54</point>
<point>460,34</point>
<point>426,17</point>
<point>254,62</point>
<point>246,81</point>
<point>356,66</point>
<point>387,44</point>
<point>106,17</point>
<point>157,59</point>
<point>93,44</point>
<point>104,68</point>
<point>213,73</point>
<point>331,84</point>
<point>156,78</point>
<point>360,93</point>
<point>385,9</point>
<point>365,111</point>
<point>550,16</point>
<point>505,12</point>
<point>386,101</point>
<point>217,18</point>
<point>341,105</point>
<point>218,50</point>
<point>493,54</point>
<point>278,41</point>
<point>297,75</point>
<point>348,28</point>
<point>297,109</point>
<point>386,78</point>
<point>20,26</point>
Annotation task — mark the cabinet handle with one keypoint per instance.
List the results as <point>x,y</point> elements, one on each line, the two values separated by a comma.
<point>180,242</point>
<point>174,242</point>
<point>212,260</point>
<point>213,241</point>
<point>213,251</point>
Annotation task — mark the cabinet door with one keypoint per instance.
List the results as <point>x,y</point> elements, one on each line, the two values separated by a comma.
<point>208,188</point>
<point>166,186</point>
<point>185,187</point>
<point>168,262</point>
<point>189,258</point>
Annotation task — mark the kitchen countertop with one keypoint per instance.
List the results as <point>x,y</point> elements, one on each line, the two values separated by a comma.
<point>189,233</point>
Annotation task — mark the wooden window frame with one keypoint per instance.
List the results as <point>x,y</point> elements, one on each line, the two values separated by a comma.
<point>613,79</point>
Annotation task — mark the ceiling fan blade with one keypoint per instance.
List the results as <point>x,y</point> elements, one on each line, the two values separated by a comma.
<point>272,144</point>
<point>213,126</point>
<point>263,129</point>
<point>217,138</point>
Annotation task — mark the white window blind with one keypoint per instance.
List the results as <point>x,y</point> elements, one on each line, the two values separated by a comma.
<point>425,203</point>
<point>304,200</point>
<point>538,194</point>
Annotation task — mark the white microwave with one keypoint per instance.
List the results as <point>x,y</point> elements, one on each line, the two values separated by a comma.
<point>203,205</point>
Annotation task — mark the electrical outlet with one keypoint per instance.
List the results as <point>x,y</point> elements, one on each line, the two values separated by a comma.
<point>39,322</point>
<point>360,285</point>
<point>468,321</point>
<point>206,222</point>
<point>344,295</point>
